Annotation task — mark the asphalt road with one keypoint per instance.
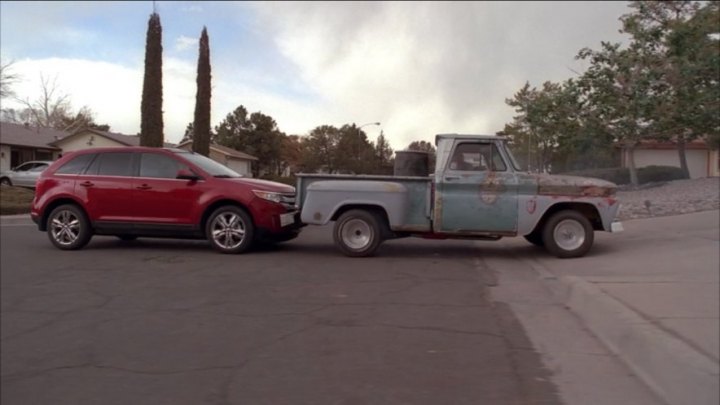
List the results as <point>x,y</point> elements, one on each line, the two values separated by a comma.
<point>172,322</point>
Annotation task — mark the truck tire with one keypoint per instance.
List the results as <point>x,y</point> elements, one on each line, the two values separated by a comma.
<point>358,233</point>
<point>230,230</point>
<point>568,234</point>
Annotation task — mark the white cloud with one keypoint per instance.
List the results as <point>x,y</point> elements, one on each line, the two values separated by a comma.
<point>183,43</point>
<point>113,92</point>
<point>420,68</point>
<point>194,8</point>
<point>423,68</point>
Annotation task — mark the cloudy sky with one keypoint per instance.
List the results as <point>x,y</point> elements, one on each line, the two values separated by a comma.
<point>418,68</point>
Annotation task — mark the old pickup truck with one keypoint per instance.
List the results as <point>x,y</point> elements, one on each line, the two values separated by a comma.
<point>476,191</point>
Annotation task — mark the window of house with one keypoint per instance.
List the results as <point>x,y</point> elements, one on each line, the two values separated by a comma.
<point>43,155</point>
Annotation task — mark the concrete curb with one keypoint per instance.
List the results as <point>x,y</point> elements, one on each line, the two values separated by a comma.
<point>674,370</point>
<point>15,216</point>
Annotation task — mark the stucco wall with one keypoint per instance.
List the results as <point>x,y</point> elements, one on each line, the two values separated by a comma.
<point>242,167</point>
<point>697,160</point>
<point>81,142</point>
<point>4,157</point>
<point>714,163</point>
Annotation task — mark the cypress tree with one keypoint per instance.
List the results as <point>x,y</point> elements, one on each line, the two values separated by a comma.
<point>201,125</point>
<point>151,125</point>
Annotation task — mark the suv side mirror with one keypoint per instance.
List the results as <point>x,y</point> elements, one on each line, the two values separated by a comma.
<point>184,174</point>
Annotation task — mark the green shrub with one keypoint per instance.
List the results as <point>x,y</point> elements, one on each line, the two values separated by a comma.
<point>617,175</point>
<point>651,174</point>
<point>621,175</point>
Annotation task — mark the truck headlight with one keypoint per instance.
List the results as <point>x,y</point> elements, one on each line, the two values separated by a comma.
<point>268,195</point>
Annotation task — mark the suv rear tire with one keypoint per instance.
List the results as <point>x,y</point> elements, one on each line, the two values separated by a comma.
<point>68,227</point>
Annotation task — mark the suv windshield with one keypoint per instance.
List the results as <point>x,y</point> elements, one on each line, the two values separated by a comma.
<point>212,167</point>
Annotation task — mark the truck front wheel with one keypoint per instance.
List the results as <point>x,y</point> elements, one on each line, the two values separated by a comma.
<point>568,234</point>
<point>358,233</point>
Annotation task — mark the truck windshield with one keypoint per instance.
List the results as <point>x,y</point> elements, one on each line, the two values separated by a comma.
<point>514,162</point>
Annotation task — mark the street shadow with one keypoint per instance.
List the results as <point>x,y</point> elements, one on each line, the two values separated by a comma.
<point>399,248</point>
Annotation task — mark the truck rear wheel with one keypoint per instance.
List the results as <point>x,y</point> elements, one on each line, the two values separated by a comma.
<point>358,233</point>
<point>568,234</point>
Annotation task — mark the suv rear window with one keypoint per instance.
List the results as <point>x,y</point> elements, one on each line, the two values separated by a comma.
<point>112,164</point>
<point>76,165</point>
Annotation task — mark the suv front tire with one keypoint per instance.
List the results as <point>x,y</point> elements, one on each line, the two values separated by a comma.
<point>230,229</point>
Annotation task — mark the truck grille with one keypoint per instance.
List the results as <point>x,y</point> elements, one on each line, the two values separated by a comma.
<point>288,200</point>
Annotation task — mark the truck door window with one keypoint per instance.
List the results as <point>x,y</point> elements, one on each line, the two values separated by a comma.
<point>476,157</point>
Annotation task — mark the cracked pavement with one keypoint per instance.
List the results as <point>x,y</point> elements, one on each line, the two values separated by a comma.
<point>171,322</point>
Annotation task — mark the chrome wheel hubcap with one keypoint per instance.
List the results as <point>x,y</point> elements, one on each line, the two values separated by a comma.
<point>228,230</point>
<point>356,234</point>
<point>65,227</point>
<point>569,234</point>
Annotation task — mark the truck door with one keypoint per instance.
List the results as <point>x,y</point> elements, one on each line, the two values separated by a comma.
<point>477,191</point>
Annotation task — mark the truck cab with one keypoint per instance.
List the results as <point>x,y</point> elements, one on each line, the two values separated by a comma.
<point>476,191</point>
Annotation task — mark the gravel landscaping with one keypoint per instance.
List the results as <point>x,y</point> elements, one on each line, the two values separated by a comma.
<point>671,198</point>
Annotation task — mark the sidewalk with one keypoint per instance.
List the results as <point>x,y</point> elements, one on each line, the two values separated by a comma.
<point>653,301</point>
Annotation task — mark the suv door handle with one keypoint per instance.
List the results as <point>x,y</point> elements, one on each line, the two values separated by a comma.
<point>87,184</point>
<point>143,187</point>
<point>452,177</point>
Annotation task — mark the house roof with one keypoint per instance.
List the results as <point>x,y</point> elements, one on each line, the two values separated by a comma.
<point>697,143</point>
<point>26,135</point>
<point>230,152</point>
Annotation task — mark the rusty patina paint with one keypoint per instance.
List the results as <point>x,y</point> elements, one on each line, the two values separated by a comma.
<point>491,188</point>
<point>573,186</point>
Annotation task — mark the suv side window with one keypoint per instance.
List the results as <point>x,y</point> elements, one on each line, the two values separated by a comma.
<point>112,164</point>
<point>76,165</point>
<point>156,165</point>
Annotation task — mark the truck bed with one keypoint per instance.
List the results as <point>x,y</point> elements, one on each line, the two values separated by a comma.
<point>417,213</point>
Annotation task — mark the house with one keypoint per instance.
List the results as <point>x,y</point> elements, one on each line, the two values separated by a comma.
<point>21,143</point>
<point>91,138</point>
<point>702,160</point>
<point>235,160</point>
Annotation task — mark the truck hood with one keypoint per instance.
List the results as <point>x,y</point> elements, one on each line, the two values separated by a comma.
<point>264,185</point>
<point>549,184</point>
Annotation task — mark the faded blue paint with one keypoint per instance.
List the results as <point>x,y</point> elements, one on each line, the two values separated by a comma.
<point>476,202</point>
<point>465,203</point>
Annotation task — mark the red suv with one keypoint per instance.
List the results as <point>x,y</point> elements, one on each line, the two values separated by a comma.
<point>153,192</point>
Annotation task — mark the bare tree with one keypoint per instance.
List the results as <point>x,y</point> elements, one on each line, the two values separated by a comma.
<point>52,109</point>
<point>7,79</point>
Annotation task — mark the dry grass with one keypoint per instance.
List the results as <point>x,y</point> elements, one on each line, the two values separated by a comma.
<point>15,200</point>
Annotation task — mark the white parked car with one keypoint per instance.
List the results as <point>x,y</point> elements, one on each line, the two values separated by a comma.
<point>24,175</point>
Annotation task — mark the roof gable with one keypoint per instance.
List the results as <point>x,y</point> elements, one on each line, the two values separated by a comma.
<point>230,152</point>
